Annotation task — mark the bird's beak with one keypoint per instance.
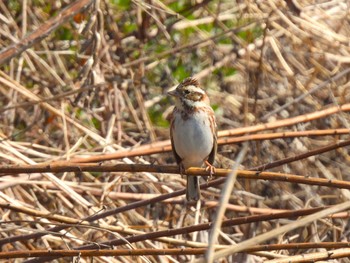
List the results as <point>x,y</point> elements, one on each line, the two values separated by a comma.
<point>173,93</point>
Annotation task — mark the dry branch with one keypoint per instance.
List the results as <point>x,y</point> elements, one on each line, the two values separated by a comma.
<point>242,174</point>
<point>98,253</point>
<point>185,251</point>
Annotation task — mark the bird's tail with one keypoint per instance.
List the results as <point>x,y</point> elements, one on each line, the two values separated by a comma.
<point>193,192</point>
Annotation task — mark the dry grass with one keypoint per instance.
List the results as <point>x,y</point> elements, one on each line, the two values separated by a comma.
<point>84,136</point>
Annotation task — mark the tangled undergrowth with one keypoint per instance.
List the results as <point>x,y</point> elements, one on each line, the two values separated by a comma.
<point>86,169</point>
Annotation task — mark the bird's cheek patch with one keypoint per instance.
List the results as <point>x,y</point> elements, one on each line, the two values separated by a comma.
<point>195,97</point>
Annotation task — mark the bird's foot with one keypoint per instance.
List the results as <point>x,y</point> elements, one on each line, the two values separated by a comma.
<point>211,169</point>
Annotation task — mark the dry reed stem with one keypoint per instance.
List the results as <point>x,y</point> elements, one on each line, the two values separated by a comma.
<point>311,257</point>
<point>256,174</point>
<point>165,146</point>
<point>266,236</point>
<point>43,31</point>
<point>90,85</point>
<point>340,253</point>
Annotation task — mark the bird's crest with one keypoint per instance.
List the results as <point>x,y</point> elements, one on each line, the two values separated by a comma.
<point>190,82</point>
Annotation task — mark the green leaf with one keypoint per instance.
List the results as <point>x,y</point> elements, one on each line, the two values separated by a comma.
<point>206,27</point>
<point>64,33</point>
<point>156,116</point>
<point>122,4</point>
<point>96,123</point>
<point>129,27</point>
<point>14,5</point>
<point>178,6</point>
<point>215,106</point>
<point>251,34</point>
<point>225,71</point>
<point>180,73</point>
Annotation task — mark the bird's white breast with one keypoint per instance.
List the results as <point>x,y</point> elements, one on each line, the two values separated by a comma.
<point>193,138</point>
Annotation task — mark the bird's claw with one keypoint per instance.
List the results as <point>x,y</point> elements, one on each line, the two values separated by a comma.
<point>211,169</point>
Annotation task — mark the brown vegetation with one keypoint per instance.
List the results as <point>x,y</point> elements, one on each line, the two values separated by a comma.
<point>86,169</point>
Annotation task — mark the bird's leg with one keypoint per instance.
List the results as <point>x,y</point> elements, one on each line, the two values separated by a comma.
<point>210,168</point>
<point>182,169</point>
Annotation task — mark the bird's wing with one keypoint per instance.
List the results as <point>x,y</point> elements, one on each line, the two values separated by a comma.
<point>177,157</point>
<point>212,154</point>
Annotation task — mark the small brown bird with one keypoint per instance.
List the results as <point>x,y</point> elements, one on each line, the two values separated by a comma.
<point>192,132</point>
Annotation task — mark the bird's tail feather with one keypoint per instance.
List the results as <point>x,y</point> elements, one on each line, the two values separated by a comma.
<point>192,191</point>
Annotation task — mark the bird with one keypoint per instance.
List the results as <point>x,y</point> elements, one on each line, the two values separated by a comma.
<point>193,132</point>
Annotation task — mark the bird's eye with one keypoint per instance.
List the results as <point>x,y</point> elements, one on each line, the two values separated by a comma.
<point>186,92</point>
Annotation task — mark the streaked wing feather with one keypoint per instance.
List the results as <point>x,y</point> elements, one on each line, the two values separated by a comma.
<point>212,154</point>
<point>177,157</point>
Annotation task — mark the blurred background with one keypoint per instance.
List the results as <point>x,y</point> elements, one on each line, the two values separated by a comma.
<point>90,77</point>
